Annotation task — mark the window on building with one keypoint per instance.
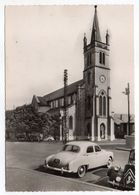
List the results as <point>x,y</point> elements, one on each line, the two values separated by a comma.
<point>69,100</point>
<point>52,104</point>
<point>56,103</point>
<point>62,101</point>
<point>70,122</point>
<point>88,102</point>
<point>102,104</point>
<point>88,77</point>
<point>102,58</point>
<point>59,103</point>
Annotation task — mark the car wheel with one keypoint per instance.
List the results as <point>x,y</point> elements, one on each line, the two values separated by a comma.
<point>109,163</point>
<point>81,171</point>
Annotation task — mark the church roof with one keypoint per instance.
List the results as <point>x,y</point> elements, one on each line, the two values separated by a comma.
<point>95,30</point>
<point>72,88</point>
<point>42,101</point>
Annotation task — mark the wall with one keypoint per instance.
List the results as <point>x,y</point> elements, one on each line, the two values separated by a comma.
<point>43,109</point>
<point>130,141</point>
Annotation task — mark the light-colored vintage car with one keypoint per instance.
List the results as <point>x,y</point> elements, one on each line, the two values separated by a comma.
<point>78,157</point>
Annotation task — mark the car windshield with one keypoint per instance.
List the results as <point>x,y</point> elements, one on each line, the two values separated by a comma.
<point>71,148</point>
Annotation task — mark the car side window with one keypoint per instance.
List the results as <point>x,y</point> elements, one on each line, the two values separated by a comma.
<point>97,149</point>
<point>90,149</point>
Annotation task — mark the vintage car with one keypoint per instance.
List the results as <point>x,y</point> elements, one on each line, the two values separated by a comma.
<point>78,157</point>
<point>21,137</point>
<point>123,178</point>
<point>35,137</point>
<point>49,139</point>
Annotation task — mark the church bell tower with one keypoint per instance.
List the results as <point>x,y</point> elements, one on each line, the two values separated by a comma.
<point>96,76</point>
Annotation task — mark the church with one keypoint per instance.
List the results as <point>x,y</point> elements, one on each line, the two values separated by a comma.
<point>88,100</point>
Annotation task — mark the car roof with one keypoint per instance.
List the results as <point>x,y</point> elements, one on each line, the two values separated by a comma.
<point>82,143</point>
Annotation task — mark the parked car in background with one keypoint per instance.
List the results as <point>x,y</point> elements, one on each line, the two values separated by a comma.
<point>78,157</point>
<point>49,139</point>
<point>35,137</point>
<point>21,137</point>
<point>123,178</point>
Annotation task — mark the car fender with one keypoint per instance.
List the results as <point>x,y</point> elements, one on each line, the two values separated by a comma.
<point>108,153</point>
<point>76,163</point>
<point>48,158</point>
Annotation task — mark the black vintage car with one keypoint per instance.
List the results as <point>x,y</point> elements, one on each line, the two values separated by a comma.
<point>123,178</point>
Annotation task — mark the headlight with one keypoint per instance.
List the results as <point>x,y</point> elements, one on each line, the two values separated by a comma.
<point>116,168</point>
<point>118,179</point>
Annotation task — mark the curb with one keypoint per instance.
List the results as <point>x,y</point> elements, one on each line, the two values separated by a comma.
<point>123,149</point>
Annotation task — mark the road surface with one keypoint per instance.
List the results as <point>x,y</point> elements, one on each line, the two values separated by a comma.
<point>24,171</point>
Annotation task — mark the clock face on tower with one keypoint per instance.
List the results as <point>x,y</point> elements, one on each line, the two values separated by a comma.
<point>102,78</point>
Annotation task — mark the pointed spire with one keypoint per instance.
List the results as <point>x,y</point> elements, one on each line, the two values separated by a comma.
<point>95,30</point>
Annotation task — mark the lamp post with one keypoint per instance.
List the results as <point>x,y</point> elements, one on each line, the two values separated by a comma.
<point>95,113</point>
<point>65,133</point>
<point>127,92</point>
<point>108,111</point>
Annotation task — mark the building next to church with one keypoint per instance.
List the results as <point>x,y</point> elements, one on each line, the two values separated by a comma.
<point>88,100</point>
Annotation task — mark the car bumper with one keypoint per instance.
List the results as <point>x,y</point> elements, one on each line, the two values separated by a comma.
<point>58,169</point>
<point>114,183</point>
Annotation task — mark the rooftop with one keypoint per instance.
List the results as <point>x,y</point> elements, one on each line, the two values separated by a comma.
<point>72,88</point>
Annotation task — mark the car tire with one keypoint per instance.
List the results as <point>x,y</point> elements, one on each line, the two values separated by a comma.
<point>109,162</point>
<point>81,171</point>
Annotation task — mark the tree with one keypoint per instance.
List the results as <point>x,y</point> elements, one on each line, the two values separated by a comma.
<point>26,119</point>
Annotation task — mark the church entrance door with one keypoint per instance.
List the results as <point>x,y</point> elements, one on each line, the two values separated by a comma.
<point>102,131</point>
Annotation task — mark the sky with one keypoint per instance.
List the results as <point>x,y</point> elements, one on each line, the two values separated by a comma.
<point>42,41</point>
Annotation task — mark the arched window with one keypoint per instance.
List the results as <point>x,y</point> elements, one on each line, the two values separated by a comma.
<point>102,104</point>
<point>100,57</point>
<point>103,58</point>
<point>70,122</point>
